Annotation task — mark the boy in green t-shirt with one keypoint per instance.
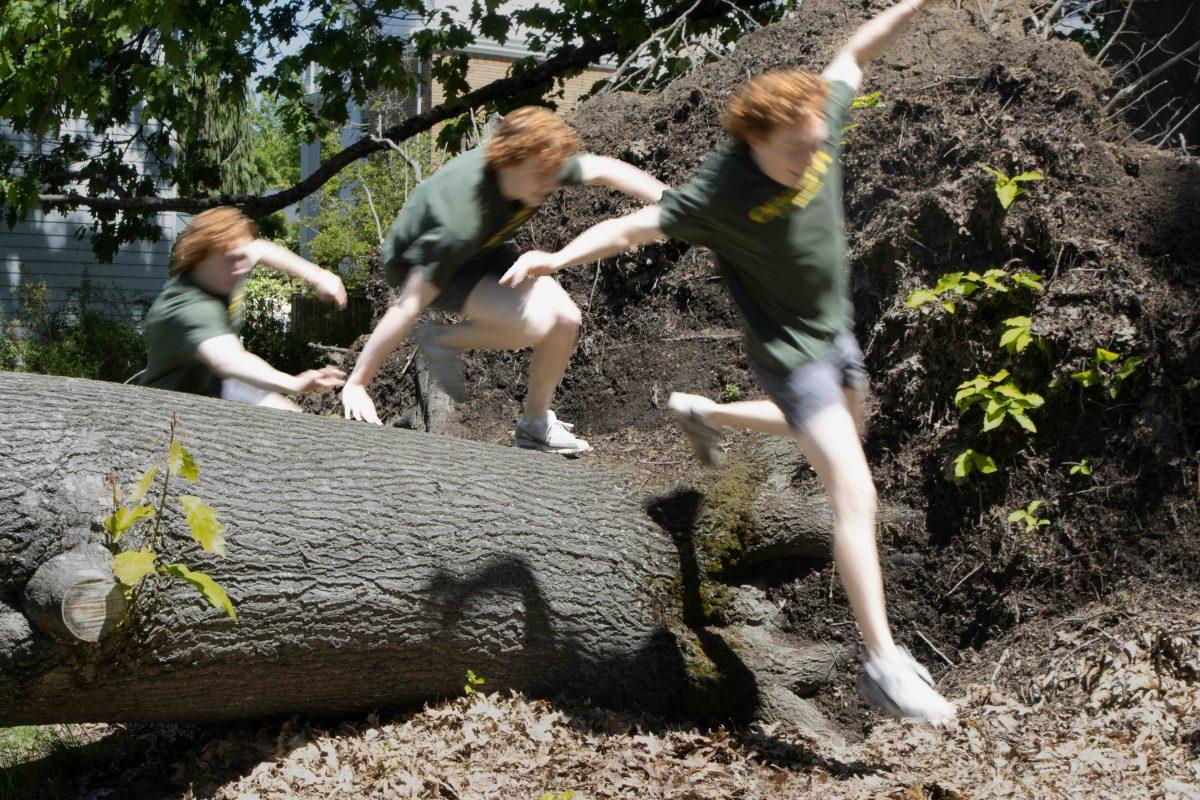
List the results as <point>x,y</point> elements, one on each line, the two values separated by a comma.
<point>192,327</point>
<point>452,235</point>
<point>769,205</point>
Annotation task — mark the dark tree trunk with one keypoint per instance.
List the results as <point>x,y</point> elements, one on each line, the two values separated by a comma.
<point>370,567</point>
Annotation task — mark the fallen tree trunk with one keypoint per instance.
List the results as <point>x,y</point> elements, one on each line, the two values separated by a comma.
<point>370,567</point>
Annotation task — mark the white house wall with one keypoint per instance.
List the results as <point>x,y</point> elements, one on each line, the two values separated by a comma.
<point>45,248</point>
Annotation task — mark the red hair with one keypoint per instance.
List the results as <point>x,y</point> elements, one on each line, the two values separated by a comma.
<point>528,132</point>
<point>214,231</point>
<point>779,98</point>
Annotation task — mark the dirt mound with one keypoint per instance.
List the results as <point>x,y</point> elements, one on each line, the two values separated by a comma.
<point>1110,230</point>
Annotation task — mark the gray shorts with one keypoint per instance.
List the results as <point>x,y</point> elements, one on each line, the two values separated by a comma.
<point>818,384</point>
<point>491,266</point>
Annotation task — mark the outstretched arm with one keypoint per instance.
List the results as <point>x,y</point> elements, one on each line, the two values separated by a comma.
<point>391,331</point>
<point>225,356</point>
<point>599,241</point>
<point>870,40</point>
<point>616,174</point>
<point>328,286</point>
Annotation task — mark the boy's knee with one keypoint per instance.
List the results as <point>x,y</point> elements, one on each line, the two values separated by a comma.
<point>569,316</point>
<point>553,313</point>
<point>857,498</point>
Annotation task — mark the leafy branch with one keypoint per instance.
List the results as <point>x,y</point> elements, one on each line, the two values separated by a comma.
<point>965,284</point>
<point>23,192</point>
<point>1000,399</point>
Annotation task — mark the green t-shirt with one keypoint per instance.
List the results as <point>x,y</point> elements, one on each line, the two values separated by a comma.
<point>182,317</point>
<point>455,216</point>
<point>781,250</point>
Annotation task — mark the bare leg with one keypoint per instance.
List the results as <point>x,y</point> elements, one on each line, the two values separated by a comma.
<point>856,401</point>
<point>830,441</point>
<point>537,314</point>
<point>756,415</point>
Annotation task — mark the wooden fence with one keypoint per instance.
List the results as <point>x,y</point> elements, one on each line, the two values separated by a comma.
<point>323,322</point>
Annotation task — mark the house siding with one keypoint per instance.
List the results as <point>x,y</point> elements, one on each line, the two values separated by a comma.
<point>55,248</point>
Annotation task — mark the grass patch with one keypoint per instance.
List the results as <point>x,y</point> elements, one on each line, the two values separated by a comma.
<point>22,746</point>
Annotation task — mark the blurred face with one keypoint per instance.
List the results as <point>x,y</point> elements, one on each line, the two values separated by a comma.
<point>786,151</point>
<point>531,181</point>
<point>220,272</point>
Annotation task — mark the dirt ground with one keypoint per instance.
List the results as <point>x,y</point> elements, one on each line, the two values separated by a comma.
<point>1097,703</point>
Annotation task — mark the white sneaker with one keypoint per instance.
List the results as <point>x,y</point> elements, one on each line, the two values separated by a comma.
<point>549,435</point>
<point>444,363</point>
<point>903,688</point>
<point>691,412</point>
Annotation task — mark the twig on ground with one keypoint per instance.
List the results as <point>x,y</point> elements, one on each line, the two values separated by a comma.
<point>962,580</point>
<point>1183,632</point>
<point>595,283</point>
<point>932,647</point>
<point>453,794</point>
<point>999,664</point>
<point>694,336</point>
<point>408,363</point>
<point>987,20</point>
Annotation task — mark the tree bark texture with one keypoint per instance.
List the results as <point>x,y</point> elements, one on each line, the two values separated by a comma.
<point>371,567</point>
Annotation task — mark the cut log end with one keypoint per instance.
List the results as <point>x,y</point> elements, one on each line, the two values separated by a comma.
<point>92,608</point>
<point>74,596</point>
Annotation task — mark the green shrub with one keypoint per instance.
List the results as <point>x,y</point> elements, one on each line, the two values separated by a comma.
<point>265,323</point>
<point>1000,399</point>
<point>1108,371</point>
<point>77,339</point>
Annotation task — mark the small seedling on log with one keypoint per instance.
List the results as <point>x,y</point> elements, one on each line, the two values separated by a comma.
<point>731,393</point>
<point>131,565</point>
<point>473,680</point>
